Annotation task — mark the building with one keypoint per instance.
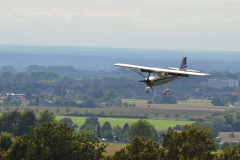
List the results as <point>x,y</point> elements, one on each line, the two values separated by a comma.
<point>24,102</point>
<point>45,102</point>
<point>220,83</point>
<point>236,104</point>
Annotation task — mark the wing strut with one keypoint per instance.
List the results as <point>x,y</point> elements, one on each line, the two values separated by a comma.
<point>135,70</point>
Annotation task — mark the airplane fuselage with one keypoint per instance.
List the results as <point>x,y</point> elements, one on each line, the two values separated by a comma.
<point>160,79</point>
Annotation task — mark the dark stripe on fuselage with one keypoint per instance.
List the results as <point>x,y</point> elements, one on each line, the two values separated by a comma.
<point>164,78</point>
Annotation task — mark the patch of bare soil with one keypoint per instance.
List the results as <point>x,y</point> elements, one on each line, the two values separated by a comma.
<point>113,148</point>
<point>225,136</point>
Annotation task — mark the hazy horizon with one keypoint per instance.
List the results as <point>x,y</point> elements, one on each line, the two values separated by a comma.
<point>212,25</point>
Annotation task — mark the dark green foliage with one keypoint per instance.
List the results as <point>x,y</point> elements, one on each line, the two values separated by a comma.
<point>28,94</point>
<point>46,117</point>
<point>117,131</point>
<point>210,131</point>
<point>229,152</point>
<point>92,135</point>
<point>170,99</point>
<point>66,120</point>
<point>188,144</point>
<point>138,149</point>
<point>89,103</point>
<point>6,141</point>
<point>90,124</point>
<point>216,101</point>
<point>57,102</point>
<point>106,128</point>
<point>27,119</point>
<point>16,122</point>
<point>125,128</point>
<point>141,128</point>
<point>52,141</point>
<point>98,129</point>
<point>108,136</point>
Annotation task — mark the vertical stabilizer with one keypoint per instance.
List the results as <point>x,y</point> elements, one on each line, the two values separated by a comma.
<point>183,66</point>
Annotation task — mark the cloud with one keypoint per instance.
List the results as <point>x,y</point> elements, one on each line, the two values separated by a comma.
<point>20,16</point>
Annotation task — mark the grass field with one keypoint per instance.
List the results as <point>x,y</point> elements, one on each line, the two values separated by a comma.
<point>121,145</point>
<point>160,125</point>
<point>134,101</point>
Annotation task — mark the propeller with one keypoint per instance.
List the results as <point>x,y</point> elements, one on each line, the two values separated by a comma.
<point>147,81</point>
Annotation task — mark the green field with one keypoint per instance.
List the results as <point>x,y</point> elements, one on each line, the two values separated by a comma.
<point>135,101</point>
<point>122,145</point>
<point>160,125</point>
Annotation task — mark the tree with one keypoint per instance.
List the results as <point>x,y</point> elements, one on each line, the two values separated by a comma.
<point>216,101</point>
<point>28,94</point>
<point>125,128</point>
<point>6,141</point>
<point>139,149</point>
<point>92,135</point>
<point>177,116</point>
<point>141,128</point>
<point>117,130</point>
<point>47,141</point>
<point>46,117</point>
<point>166,115</point>
<point>227,99</point>
<point>58,110</point>
<point>106,127</point>
<point>9,97</point>
<point>228,153</point>
<point>27,119</point>
<point>9,121</point>
<point>231,135</point>
<point>3,94</point>
<point>37,110</point>
<point>156,115</point>
<point>59,91</point>
<point>125,104</point>
<point>188,144</point>
<point>37,100</point>
<point>66,120</point>
<point>67,110</point>
<point>57,102</point>
<point>90,124</point>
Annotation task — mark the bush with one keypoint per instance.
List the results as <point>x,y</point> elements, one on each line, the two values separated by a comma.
<point>5,141</point>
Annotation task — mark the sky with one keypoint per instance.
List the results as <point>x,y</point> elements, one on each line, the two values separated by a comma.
<point>148,24</point>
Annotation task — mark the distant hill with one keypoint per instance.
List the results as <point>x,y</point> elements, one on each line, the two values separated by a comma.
<point>97,58</point>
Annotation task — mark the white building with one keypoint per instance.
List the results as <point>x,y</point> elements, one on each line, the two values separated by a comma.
<point>220,83</point>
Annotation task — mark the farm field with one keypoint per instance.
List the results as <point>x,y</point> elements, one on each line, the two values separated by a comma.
<point>162,109</point>
<point>160,125</point>
<point>192,104</point>
<point>113,147</point>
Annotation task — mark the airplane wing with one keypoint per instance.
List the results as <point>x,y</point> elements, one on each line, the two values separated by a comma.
<point>159,70</point>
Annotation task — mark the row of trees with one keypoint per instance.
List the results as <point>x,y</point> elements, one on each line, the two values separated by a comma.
<point>47,141</point>
<point>226,121</point>
<point>171,99</point>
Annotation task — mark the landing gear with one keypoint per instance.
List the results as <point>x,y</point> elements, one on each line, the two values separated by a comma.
<point>147,89</point>
<point>166,91</point>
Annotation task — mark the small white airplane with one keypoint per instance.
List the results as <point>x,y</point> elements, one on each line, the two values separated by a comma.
<point>162,76</point>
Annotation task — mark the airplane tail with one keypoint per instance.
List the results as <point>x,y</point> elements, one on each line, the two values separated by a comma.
<point>183,66</point>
